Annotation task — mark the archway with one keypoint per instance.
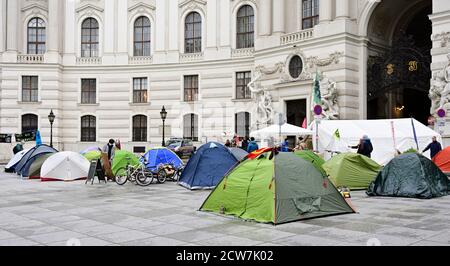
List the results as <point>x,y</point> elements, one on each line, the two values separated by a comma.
<point>399,60</point>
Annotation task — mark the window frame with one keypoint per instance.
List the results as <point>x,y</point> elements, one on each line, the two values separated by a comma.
<point>142,92</point>
<point>141,131</point>
<point>91,129</point>
<point>247,35</point>
<point>192,91</point>
<point>299,67</point>
<point>246,80</point>
<point>192,128</point>
<point>197,25</point>
<point>311,14</point>
<point>92,53</point>
<point>82,92</point>
<point>30,89</point>
<point>143,40</point>
<point>247,124</point>
<point>36,44</point>
<point>33,129</point>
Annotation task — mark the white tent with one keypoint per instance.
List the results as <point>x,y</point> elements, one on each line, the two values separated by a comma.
<point>16,158</point>
<point>381,133</point>
<point>286,130</point>
<point>65,166</point>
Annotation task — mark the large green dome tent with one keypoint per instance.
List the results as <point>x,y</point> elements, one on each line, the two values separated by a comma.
<point>410,175</point>
<point>311,157</point>
<point>352,170</point>
<point>276,189</point>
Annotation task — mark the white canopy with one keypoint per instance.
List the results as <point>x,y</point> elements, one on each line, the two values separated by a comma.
<point>16,158</point>
<point>65,166</point>
<point>380,132</point>
<point>286,130</point>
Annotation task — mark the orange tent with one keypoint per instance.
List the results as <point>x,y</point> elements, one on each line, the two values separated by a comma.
<point>442,160</point>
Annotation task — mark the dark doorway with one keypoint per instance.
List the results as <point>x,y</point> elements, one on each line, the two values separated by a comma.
<point>399,80</point>
<point>295,114</point>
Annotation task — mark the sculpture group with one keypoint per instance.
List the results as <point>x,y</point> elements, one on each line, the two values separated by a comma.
<point>440,88</point>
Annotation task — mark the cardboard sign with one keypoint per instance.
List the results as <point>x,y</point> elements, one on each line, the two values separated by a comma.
<point>107,166</point>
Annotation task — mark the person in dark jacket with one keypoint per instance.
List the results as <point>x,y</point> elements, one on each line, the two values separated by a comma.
<point>252,146</point>
<point>434,147</point>
<point>364,147</point>
<point>245,143</point>
<point>19,147</point>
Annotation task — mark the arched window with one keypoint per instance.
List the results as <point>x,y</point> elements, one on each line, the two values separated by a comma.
<point>139,128</point>
<point>245,27</point>
<point>89,38</point>
<point>190,127</point>
<point>36,36</point>
<point>142,37</point>
<point>88,128</point>
<point>242,124</point>
<point>29,123</point>
<point>295,66</point>
<point>193,33</point>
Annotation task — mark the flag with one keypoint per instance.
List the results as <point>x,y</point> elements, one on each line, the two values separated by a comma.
<point>38,138</point>
<point>414,132</point>
<point>337,135</point>
<point>305,124</point>
<point>316,90</point>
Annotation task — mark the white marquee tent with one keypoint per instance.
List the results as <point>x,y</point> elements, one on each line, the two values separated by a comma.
<point>381,133</point>
<point>65,166</point>
<point>285,130</point>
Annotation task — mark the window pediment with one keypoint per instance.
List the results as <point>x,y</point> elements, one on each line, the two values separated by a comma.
<point>141,7</point>
<point>89,8</point>
<point>192,4</point>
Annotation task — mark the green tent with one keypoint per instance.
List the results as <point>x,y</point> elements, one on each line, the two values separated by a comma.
<point>93,155</point>
<point>35,167</point>
<point>276,190</point>
<point>312,158</point>
<point>122,158</point>
<point>351,170</point>
<point>410,175</point>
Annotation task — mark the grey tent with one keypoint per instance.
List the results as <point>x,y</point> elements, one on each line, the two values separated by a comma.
<point>410,175</point>
<point>238,153</point>
<point>23,166</point>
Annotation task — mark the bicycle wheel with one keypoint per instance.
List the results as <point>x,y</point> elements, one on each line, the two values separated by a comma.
<point>162,176</point>
<point>121,176</point>
<point>144,179</point>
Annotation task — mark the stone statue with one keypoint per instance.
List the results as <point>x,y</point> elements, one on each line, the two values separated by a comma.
<point>263,100</point>
<point>329,95</point>
<point>440,88</point>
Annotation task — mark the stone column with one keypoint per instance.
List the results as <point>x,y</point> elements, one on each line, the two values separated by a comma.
<point>121,37</point>
<point>265,18</point>
<point>53,26</point>
<point>211,26</point>
<point>12,25</point>
<point>325,10</point>
<point>342,9</point>
<point>109,33</point>
<point>279,13</point>
<point>2,25</point>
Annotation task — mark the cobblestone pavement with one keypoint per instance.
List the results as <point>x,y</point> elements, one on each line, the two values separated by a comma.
<point>58,214</point>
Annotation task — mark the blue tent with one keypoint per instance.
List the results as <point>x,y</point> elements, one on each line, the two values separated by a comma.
<point>23,166</point>
<point>208,166</point>
<point>159,156</point>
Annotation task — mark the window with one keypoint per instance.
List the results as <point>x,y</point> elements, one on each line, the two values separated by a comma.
<point>29,123</point>
<point>193,33</point>
<point>140,90</point>
<point>88,91</point>
<point>30,89</point>
<point>190,88</point>
<point>190,127</point>
<point>242,124</point>
<point>245,27</point>
<point>139,128</point>
<point>310,13</point>
<point>142,37</point>
<point>36,36</point>
<point>295,66</point>
<point>242,81</point>
<point>89,38</point>
<point>88,128</point>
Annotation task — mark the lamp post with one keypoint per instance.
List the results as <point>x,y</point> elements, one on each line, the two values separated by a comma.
<point>163,118</point>
<point>51,119</point>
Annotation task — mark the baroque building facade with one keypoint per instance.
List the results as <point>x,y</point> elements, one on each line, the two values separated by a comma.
<point>107,67</point>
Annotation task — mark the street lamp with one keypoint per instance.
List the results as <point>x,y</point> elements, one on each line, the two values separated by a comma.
<point>163,118</point>
<point>51,119</point>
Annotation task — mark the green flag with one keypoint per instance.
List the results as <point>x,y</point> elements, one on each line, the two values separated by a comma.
<point>316,90</point>
<point>337,135</point>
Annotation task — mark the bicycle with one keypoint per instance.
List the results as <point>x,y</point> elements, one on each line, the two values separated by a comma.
<point>137,173</point>
<point>168,172</point>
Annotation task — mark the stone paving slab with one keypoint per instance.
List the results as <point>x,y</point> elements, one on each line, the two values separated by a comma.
<point>36,213</point>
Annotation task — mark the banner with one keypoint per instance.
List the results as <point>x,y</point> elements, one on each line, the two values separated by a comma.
<point>28,136</point>
<point>5,138</point>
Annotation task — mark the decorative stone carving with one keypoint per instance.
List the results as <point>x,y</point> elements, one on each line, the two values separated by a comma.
<point>329,98</point>
<point>306,73</point>
<point>314,61</point>
<point>440,88</point>
<point>444,37</point>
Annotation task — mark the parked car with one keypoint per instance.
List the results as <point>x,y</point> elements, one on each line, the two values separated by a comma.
<point>182,147</point>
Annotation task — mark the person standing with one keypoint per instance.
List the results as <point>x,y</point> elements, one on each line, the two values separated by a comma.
<point>245,144</point>
<point>252,146</point>
<point>285,146</point>
<point>364,147</point>
<point>110,149</point>
<point>228,143</point>
<point>434,147</point>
